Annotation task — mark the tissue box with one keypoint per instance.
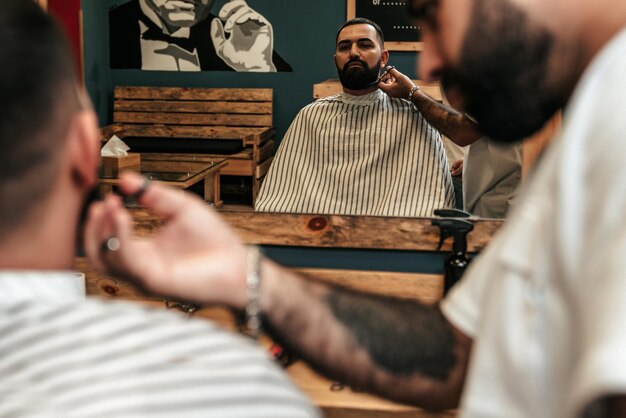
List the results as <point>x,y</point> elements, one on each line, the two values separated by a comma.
<point>113,165</point>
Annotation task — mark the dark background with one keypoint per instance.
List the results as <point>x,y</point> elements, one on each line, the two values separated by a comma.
<point>392,18</point>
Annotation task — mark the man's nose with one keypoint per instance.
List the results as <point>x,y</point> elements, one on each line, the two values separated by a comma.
<point>354,51</point>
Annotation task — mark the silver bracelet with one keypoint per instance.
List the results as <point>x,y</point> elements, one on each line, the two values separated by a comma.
<point>412,92</point>
<point>253,286</point>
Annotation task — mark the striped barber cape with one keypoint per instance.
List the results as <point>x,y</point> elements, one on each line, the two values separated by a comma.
<point>359,155</point>
<point>63,357</point>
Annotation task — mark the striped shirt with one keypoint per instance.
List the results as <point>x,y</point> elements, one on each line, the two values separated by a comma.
<point>359,155</point>
<point>65,357</point>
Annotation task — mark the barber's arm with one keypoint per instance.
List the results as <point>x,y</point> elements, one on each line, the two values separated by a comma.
<point>400,350</point>
<point>449,122</point>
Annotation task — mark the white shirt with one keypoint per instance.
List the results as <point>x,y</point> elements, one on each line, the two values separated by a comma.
<point>61,356</point>
<point>23,286</point>
<point>546,301</point>
<point>359,155</point>
<point>491,176</point>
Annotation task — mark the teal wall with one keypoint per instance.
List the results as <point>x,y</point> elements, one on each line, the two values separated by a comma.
<point>304,35</point>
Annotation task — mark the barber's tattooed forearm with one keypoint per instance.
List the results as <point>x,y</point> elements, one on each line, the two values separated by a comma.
<point>449,122</point>
<point>403,338</point>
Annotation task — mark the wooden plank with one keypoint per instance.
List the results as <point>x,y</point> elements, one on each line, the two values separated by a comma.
<point>201,158</point>
<point>238,167</point>
<point>266,151</point>
<point>239,164</point>
<point>220,315</point>
<point>348,403</point>
<point>426,288</point>
<point>351,9</point>
<point>404,46</point>
<point>108,287</point>
<point>209,119</point>
<point>175,156</point>
<point>102,285</point>
<point>259,138</point>
<point>350,231</point>
<point>108,131</point>
<point>178,166</point>
<point>263,168</point>
<point>330,87</point>
<point>193,93</point>
<point>256,108</point>
<point>205,132</point>
<point>334,231</point>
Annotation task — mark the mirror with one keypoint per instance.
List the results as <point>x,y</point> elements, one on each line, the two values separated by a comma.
<point>312,63</point>
<point>309,166</point>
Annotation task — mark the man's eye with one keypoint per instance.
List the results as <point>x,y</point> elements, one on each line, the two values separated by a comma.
<point>366,45</point>
<point>342,48</point>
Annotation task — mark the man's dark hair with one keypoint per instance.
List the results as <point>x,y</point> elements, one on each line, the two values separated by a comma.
<point>38,89</point>
<point>363,21</point>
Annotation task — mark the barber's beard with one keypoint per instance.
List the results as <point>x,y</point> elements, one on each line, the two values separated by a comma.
<point>503,72</point>
<point>358,77</point>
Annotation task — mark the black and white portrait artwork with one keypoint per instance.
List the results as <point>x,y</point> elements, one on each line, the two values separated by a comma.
<point>184,35</point>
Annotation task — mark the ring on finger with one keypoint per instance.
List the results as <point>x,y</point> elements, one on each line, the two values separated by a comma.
<point>110,245</point>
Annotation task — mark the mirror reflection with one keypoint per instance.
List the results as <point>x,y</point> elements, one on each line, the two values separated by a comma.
<point>381,146</point>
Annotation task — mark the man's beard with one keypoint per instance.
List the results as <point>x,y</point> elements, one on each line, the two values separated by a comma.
<point>358,77</point>
<point>503,72</point>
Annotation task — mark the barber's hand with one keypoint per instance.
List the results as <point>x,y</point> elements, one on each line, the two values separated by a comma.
<point>250,43</point>
<point>396,84</point>
<point>457,168</point>
<point>194,257</point>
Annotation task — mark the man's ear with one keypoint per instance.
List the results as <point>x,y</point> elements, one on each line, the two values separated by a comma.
<point>84,149</point>
<point>384,58</point>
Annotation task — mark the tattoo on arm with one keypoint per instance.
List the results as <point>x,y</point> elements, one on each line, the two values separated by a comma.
<point>402,337</point>
<point>398,349</point>
<point>451,123</point>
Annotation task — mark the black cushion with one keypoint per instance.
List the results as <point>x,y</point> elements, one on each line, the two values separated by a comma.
<point>190,145</point>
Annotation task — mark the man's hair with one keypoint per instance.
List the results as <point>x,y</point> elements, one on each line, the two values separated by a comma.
<point>38,88</point>
<point>363,21</point>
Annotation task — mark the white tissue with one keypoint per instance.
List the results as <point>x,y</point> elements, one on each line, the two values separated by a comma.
<point>115,147</point>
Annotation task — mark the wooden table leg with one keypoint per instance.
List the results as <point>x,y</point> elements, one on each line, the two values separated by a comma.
<point>212,189</point>
<point>217,198</point>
